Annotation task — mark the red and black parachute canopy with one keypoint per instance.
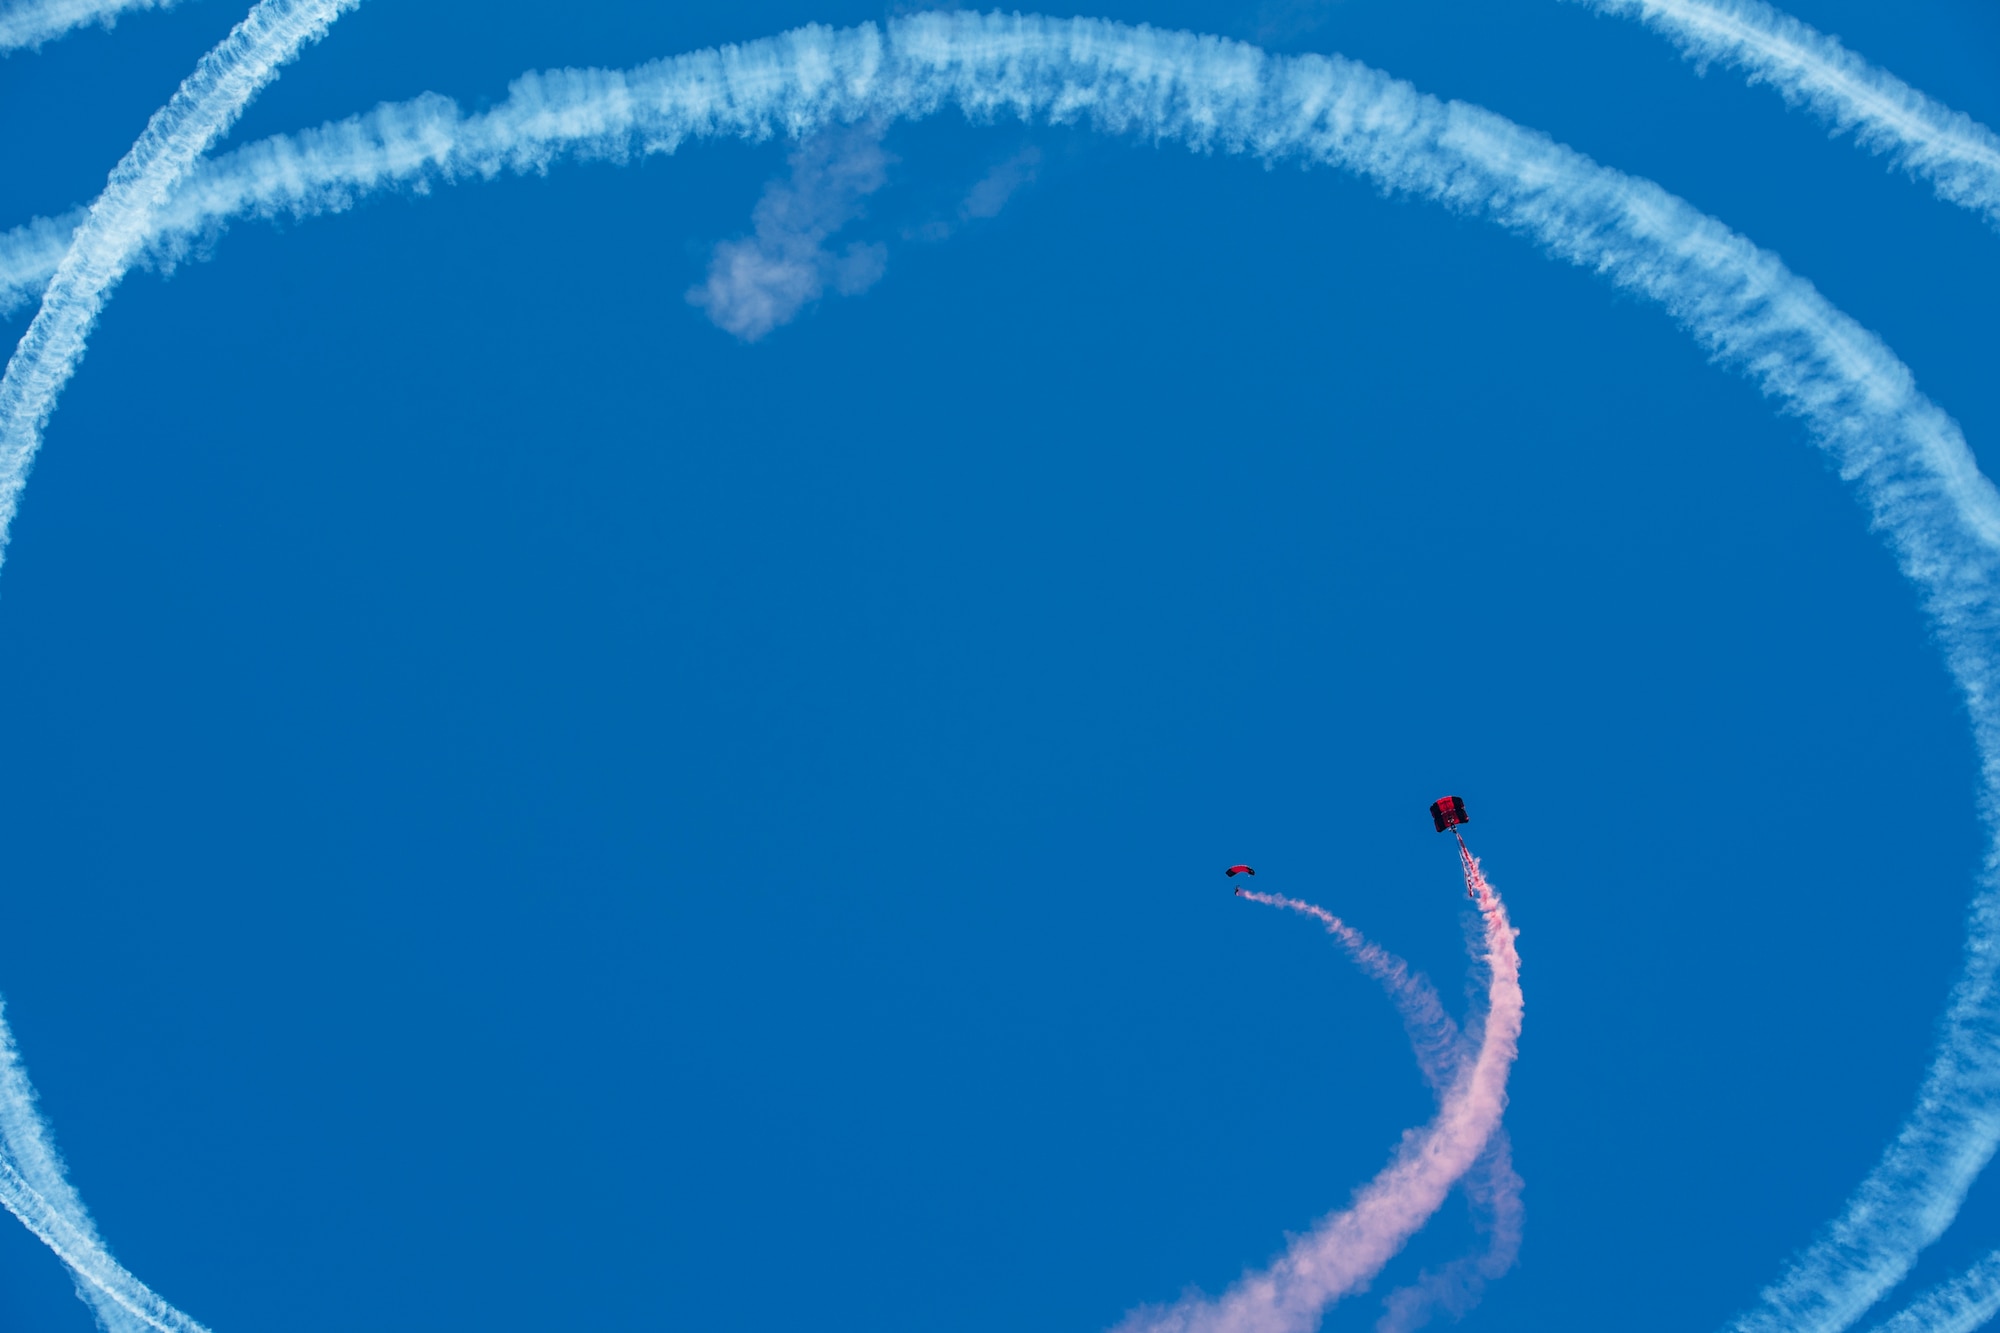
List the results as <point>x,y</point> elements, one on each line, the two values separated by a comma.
<point>1234,871</point>
<point>1447,811</point>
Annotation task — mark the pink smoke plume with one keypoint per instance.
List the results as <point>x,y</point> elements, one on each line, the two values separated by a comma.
<point>1492,1186</point>
<point>1344,1251</point>
<point>1494,1190</point>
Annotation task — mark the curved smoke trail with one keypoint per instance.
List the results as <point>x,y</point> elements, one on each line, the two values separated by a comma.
<point>34,1188</point>
<point>1345,1250</point>
<point>1955,153</point>
<point>32,22</point>
<point>1491,1185</point>
<point>101,250</point>
<point>123,1302</point>
<point>1907,459</point>
<point>201,109</point>
<point>1967,1302</point>
<point>1493,1188</point>
<point>1439,1045</point>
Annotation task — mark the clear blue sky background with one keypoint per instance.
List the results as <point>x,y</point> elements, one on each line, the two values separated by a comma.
<point>523,811</point>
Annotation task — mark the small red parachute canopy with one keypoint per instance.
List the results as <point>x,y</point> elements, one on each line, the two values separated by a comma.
<point>1447,811</point>
<point>1234,871</point>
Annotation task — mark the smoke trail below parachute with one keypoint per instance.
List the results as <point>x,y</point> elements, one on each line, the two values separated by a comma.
<point>31,22</point>
<point>1433,1035</point>
<point>1492,1186</point>
<point>1955,153</point>
<point>1344,1250</point>
<point>1907,459</point>
<point>97,257</point>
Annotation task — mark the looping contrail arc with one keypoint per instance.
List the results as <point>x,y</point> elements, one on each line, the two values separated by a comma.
<point>1955,153</point>
<point>1906,458</point>
<point>99,252</point>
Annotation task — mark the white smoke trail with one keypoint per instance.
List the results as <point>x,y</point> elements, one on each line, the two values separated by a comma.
<point>29,255</point>
<point>1955,153</point>
<point>99,252</point>
<point>1967,1302</point>
<point>201,109</point>
<point>128,1302</point>
<point>25,1151</point>
<point>32,22</point>
<point>1908,460</point>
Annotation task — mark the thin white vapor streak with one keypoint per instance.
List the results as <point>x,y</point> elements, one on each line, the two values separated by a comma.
<point>1967,1302</point>
<point>85,1255</point>
<point>98,254</point>
<point>1955,153</point>
<point>1907,459</point>
<point>118,223</point>
<point>32,22</point>
<point>25,1150</point>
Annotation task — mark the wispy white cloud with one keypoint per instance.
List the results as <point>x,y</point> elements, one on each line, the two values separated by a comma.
<point>1955,153</point>
<point>757,282</point>
<point>1907,460</point>
<point>32,22</point>
<point>987,197</point>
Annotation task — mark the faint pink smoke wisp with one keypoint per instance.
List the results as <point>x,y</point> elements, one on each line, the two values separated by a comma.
<point>1345,1250</point>
<point>1433,1035</point>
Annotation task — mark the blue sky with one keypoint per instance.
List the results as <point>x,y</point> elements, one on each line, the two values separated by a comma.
<point>524,809</point>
